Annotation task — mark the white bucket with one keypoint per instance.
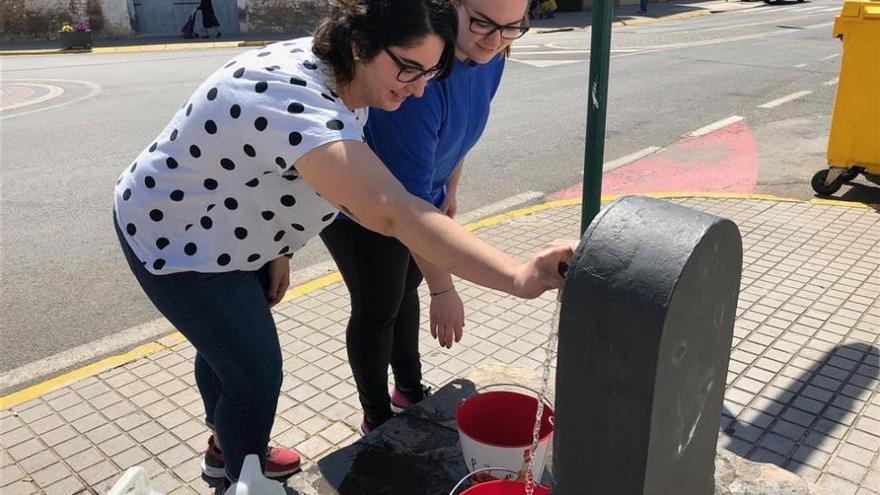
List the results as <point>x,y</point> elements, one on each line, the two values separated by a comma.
<point>495,430</point>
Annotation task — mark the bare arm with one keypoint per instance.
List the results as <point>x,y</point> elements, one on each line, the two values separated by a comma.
<point>350,176</point>
<point>437,278</point>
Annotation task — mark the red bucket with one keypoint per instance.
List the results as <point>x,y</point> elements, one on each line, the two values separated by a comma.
<point>495,431</point>
<point>504,488</point>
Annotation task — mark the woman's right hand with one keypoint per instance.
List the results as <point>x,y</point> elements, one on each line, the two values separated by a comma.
<point>542,272</point>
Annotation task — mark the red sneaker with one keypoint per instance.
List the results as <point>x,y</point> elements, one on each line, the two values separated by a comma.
<point>400,402</point>
<point>280,463</point>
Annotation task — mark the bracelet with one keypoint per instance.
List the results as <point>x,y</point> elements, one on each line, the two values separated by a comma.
<point>441,292</point>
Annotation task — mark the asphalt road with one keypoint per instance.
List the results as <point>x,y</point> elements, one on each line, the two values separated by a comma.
<point>64,283</point>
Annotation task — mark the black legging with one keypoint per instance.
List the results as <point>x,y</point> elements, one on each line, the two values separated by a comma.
<point>383,281</point>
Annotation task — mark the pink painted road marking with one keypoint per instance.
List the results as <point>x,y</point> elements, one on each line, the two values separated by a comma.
<point>725,160</point>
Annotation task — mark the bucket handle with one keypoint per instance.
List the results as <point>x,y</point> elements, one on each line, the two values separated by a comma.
<point>481,470</point>
<point>516,385</point>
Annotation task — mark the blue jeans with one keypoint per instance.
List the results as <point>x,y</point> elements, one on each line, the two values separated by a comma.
<point>227,319</point>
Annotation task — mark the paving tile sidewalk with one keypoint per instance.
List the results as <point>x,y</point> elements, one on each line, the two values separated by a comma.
<point>802,389</point>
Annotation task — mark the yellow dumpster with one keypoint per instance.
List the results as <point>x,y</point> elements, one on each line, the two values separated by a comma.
<point>854,142</point>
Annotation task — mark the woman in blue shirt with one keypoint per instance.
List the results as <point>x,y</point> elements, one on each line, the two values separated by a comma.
<point>423,144</point>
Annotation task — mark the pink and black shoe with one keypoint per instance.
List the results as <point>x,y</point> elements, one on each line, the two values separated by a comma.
<point>400,402</point>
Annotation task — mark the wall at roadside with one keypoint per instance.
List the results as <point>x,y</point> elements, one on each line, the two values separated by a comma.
<point>281,16</point>
<point>42,19</point>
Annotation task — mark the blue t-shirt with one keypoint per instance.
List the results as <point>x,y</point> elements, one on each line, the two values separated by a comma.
<point>423,141</point>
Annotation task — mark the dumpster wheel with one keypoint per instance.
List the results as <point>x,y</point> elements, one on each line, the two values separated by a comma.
<point>821,187</point>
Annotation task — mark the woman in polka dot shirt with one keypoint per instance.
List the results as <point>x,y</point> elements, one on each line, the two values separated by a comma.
<point>261,158</point>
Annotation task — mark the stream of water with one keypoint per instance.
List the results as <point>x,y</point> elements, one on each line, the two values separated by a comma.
<point>549,356</point>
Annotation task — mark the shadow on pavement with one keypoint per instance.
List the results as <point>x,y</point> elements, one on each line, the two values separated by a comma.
<point>798,420</point>
<point>862,193</point>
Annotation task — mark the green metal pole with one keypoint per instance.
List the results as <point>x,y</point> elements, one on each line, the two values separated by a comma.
<point>597,99</point>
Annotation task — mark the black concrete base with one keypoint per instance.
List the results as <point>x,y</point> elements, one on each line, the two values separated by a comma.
<point>415,453</point>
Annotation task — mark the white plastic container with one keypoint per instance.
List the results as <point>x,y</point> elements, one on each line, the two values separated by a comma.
<point>135,481</point>
<point>252,481</point>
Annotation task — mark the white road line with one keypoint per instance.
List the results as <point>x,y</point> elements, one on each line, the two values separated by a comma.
<point>542,64</point>
<point>551,52</point>
<point>829,57</point>
<point>800,65</point>
<point>702,131</point>
<point>785,99</point>
<point>644,50</point>
<point>94,90</point>
<point>627,159</point>
<point>831,82</point>
<point>51,92</point>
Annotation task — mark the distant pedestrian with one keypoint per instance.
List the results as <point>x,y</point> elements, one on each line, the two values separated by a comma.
<point>209,19</point>
<point>643,7</point>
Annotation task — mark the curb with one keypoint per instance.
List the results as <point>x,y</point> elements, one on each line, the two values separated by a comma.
<point>167,47</point>
<point>655,20</point>
<point>634,22</point>
<point>173,339</point>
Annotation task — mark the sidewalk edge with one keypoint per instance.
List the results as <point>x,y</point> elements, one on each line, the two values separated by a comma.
<point>631,22</point>
<point>164,47</point>
<point>35,391</point>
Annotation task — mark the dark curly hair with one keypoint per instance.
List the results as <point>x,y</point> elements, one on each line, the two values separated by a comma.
<point>377,24</point>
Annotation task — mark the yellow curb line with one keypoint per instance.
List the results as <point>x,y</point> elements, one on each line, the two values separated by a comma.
<point>167,47</point>
<point>318,283</point>
<point>176,338</point>
<point>654,20</point>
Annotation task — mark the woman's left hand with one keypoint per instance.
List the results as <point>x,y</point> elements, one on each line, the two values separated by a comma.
<point>279,280</point>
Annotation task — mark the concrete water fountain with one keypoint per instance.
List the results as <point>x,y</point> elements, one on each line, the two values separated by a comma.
<point>645,333</point>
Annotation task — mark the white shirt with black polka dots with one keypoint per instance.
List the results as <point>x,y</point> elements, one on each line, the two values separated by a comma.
<point>218,191</point>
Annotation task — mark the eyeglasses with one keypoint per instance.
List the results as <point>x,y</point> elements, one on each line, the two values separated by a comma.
<point>487,27</point>
<point>410,72</point>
